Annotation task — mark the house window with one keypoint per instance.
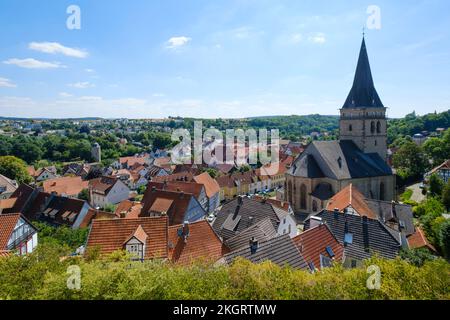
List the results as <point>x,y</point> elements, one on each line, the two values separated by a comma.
<point>353,263</point>
<point>136,250</point>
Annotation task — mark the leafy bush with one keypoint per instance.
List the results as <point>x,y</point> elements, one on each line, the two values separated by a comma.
<point>42,275</point>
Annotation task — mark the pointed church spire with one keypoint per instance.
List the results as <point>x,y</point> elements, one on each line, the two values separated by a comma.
<point>363,93</point>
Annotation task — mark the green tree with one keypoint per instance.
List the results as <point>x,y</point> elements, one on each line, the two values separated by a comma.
<point>14,168</point>
<point>446,196</point>
<point>409,160</point>
<point>444,238</point>
<point>84,195</point>
<point>436,186</point>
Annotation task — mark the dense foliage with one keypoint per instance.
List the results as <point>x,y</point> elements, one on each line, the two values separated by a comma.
<point>43,275</point>
<point>15,169</point>
<point>63,236</point>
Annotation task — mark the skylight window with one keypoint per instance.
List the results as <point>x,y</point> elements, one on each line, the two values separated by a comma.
<point>330,251</point>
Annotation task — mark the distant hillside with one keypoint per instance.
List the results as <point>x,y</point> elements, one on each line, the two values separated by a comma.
<point>412,124</point>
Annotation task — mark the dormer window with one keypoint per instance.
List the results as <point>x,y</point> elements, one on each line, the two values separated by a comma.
<point>339,160</point>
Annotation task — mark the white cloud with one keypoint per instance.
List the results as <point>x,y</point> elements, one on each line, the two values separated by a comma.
<point>55,47</point>
<point>82,85</point>
<point>89,70</point>
<point>177,42</point>
<point>31,63</point>
<point>296,38</point>
<point>65,95</point>
<point>6,83</point>
<point>318,38</point>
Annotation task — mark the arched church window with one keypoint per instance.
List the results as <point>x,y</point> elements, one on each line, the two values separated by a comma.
<point>289,198</point>
<point>372,127</point>
<point>376,143</point>
<point>350,128</point>
<point>314,206</point>
<point>303,197</point>
<point>378,127</point>
<point>382,191</point>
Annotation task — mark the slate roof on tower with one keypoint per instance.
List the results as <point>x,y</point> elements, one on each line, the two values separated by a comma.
<point>363,93</point>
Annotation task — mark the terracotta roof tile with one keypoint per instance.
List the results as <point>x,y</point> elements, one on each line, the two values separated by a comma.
<point>70,186</point>
<point>313,243</point>
<point>110,235</point>
<point>211,185</point>
<point>350,196</point>
<point>419,240</point>
<point>202,243</point>
<point>178,186</point>
<point>7,224</point>
<point>95,214</point>
<point>129,208</point>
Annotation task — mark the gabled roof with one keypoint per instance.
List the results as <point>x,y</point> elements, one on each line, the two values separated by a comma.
<point>445,165</point>
<point>179,203</point>
<point>93,214</point>
<point>261,231</point>
<point>397,212</point>
<point>110,235</point>
<point>178,186</point>
<point>103,184</point>
<point>419,240</point>
<point>182,176</point>
<point>280,250</point>
<point>338,160</point>
<point>202,243</point>
<point>7,224</point>
<point>351,197</point>
<point>211,185</point>
<point>314,242</point>
<point>369,236</point>
<point>129,208</point>
<point>233,217</point>
<point>363,93</point>
<point>7,185</point>
<point>22,195</point>
<point>65,185</point>
<point>138,234</point>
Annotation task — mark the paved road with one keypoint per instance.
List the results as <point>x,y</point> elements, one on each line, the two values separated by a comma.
<point>417,195</point>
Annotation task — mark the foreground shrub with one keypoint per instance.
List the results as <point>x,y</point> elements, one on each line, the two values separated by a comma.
<point>44,276</point>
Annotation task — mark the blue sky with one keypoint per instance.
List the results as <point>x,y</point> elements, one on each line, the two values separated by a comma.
<point>218,58</point>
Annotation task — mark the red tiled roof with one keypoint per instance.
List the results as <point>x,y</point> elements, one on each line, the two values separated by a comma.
<point>4,253</point>
<point>201,244</point>
<point>178,186</point>
<point>176,211</point>
<point>93,214</point>
<point>419,240</point>
<point>182,176</point>
<point>211,185</point>
<point>313,242</point>
<point>7,203</point>
<point>161,205</point>
<point>7,224</point>
<point>103,184</point>
<point>110,235</point>
<point>129,208</point>
<point>22,195</point>
<point>70,186</point>
<point>350,196</point>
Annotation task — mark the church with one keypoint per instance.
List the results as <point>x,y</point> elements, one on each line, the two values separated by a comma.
<point>358,157</point>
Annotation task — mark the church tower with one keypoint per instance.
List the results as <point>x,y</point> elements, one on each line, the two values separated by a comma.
<point>363,116</point>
